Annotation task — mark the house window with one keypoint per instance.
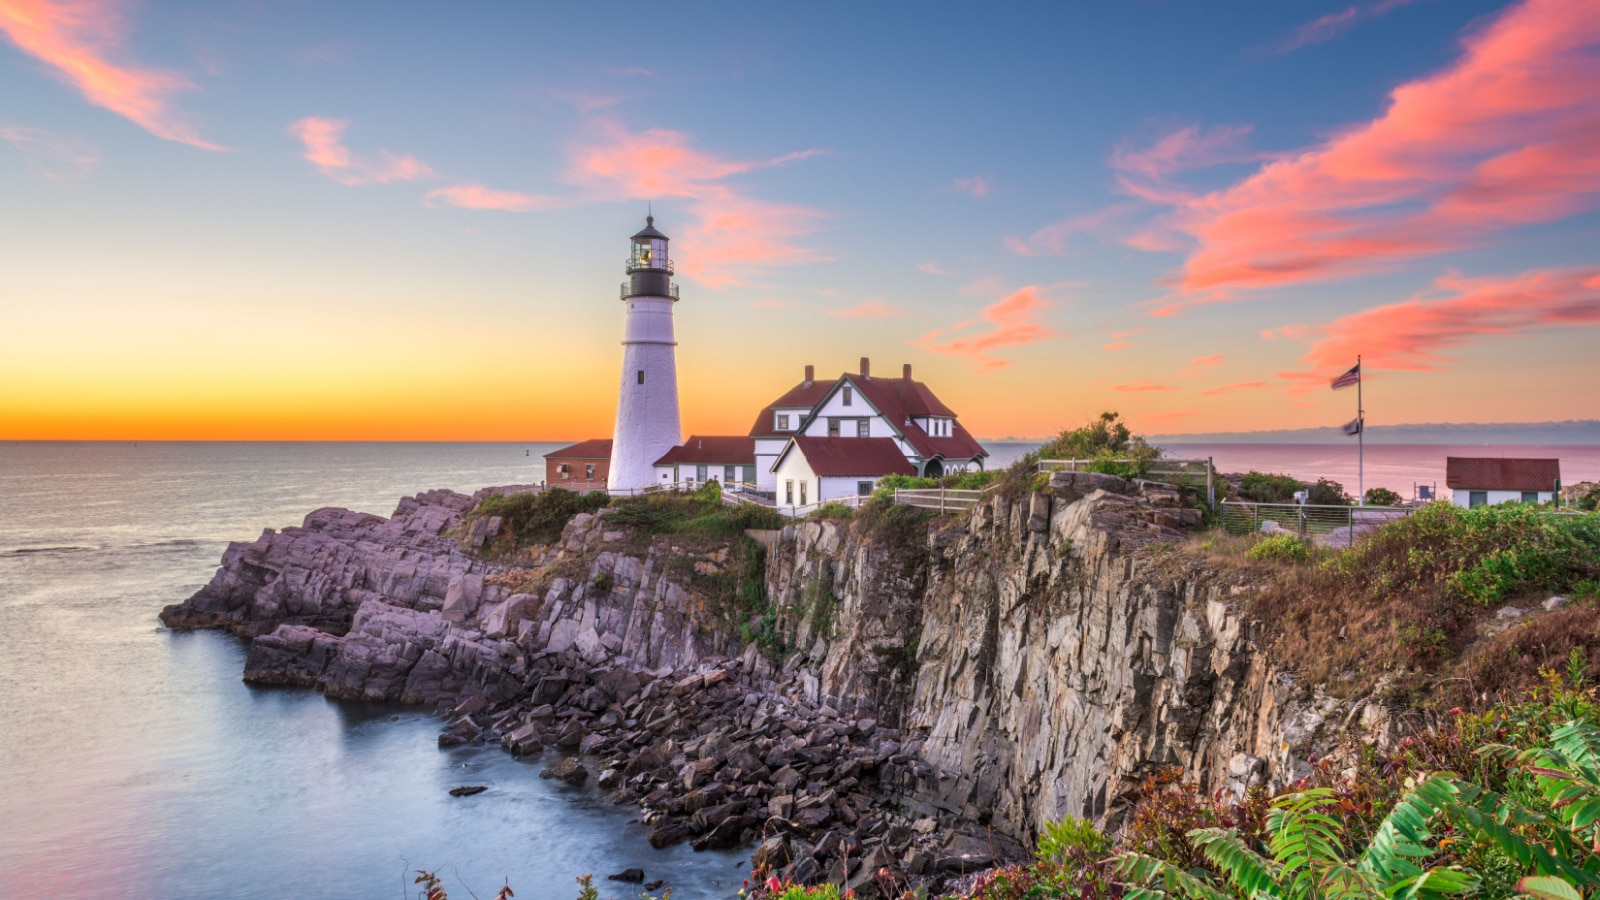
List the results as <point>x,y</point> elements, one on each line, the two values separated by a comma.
<point>863,488</point>
<point>641,376</point>
<point>1530,496</point>
<point>564,470</point>
<point>783,423</point>
<point>727,475</point>
<point>833,428</point>
<point>803,492</point>
<point>700,473</point>
<point>788,493</point>
<point>749,474</point>
<point>863,428</point>
<point>848,396</point>
<point>588,472</point>
<point>1477,498</point>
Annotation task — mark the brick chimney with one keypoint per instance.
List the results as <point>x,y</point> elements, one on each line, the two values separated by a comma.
<point>866,367</point>
<point>811,374</point>
<point>907,375</point>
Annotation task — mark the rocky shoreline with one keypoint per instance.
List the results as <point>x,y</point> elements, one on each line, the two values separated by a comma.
<point>941,691</point>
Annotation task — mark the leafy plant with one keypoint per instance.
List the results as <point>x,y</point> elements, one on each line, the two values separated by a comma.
<point>1262,487</point>
<point>1060,839</point>
<point>537,517</point>
<point>1328,493</point>
<point>1279,548</point>
<point>1380,496</point>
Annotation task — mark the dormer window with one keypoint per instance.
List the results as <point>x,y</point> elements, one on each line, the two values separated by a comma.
<point>783,422</point>
<point>849,395</point>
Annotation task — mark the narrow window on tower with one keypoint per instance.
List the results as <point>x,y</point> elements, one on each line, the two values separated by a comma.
<point>848,396</point>
<point>641,376</point>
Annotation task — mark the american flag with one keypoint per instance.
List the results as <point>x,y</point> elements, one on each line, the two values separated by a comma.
<point>1353,427</point>
<point>1348,379</point>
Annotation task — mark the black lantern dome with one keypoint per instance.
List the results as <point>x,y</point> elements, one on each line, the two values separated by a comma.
<point>649,264</point>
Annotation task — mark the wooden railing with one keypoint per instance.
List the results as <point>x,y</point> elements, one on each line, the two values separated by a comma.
<point>942,499</point>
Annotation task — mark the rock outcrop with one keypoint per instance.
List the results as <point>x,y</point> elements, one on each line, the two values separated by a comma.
<point>1034,657</point>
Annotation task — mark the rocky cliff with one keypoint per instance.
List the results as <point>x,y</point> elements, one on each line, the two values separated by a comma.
<point>1049,653</point>
<point>990,671</point>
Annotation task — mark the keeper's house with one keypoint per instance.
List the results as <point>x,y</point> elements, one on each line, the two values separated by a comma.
<point>584,466</point>
<point>729,460</point>
<point>1477,481</point>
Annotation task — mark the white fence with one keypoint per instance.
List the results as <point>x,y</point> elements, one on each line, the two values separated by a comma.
<point>941,499</point>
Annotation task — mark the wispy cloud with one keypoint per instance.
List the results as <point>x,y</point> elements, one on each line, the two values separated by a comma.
<point>1142,387</point>
<point>325,149</point>
<point>732,233</point>
<point>1119,339</point>
<point>1503,137</point>
<point>1232,388</point>
<point>976,185</point>
<point>61,158</point>
<point>1414,333</point>
<point>1326,28</point>
<point>1201,363</point>
<point>1105,225</point>
<point>79,40</point>
<point>1011,321</point>
<point>476,196</point>
<point>868,309</point>
<point>930,267</point>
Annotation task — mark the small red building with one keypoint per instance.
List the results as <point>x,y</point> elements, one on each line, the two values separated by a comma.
<point>582,466</point>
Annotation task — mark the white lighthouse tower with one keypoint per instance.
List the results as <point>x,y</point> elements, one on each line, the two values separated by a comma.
<point>647,403</point>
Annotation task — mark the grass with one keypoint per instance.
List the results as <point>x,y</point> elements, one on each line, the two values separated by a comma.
<point>1411,600</point>
<point>534,518</point>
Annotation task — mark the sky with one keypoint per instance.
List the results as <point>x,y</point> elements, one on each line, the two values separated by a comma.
<point>409,221</point>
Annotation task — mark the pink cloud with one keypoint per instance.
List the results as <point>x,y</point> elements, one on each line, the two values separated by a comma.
<point>1330,26</point>
<point>63,158</point>
<point>325,149</point>
<point>476,196</point>
<point>1010,321</point>
<point>1230,388</point>
<point>1412,334</point>
<point>1206,362</point>
<point>731,233</point>
<point>78,39</point>
<point>868,309</point>
<point>1142,387</point>
<point>931,267</point>
<point>1119,339</point>
<point>977,186</point>
<point>1106,225</point>
<point>1503,137</point>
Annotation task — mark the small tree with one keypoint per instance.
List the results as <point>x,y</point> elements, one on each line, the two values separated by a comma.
<point>1379,496</point>
<point>1105,439</point>
<point>1328,493</point>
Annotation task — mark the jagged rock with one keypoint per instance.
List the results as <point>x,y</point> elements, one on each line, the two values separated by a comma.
<point>671,833</point>
<point>524,741</point>
<point>772,855</point>
<point>468,790</point>
<point>632,876</point>
<point>570,770</point>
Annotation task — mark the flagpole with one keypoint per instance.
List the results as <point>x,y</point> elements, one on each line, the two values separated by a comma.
<point>1361,439</point>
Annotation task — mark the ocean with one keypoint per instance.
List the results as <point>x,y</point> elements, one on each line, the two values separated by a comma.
<point>137,763</point>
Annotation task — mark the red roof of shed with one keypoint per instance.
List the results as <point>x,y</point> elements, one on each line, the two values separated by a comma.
<point>852,457</point>
<point>1499,474</point>
<point>596,448</point>
<point>725,450</point>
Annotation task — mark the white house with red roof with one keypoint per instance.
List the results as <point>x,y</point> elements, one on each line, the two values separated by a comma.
<point>1480,481</point>
<point>702,458</point>
<point>845,419</point>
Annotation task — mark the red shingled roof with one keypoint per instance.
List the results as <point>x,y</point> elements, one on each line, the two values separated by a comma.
<point>590,449</point>
<point>805,395</point>
<point>852,457</point>
<point>1499,474</point>
<point>720,449</point>
<point>900,399</point>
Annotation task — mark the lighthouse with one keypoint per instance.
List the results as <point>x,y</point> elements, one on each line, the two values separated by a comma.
<point>647,400</point>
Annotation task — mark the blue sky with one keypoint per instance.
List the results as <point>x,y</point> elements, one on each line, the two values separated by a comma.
<point>317,220</point>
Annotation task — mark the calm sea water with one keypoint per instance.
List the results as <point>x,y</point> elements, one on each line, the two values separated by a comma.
<point>134,762</point>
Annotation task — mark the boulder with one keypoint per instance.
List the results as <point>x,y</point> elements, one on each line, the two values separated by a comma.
<point>570,770</point>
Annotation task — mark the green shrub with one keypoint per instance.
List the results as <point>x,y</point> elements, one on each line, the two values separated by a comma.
<point>1379,496</point>
<point>538,517</point>
<point>834,511</point>
<point>1060,839</point>
<point>1279,548</point>
<point>1261,487</point>
<point>1328,493</point>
